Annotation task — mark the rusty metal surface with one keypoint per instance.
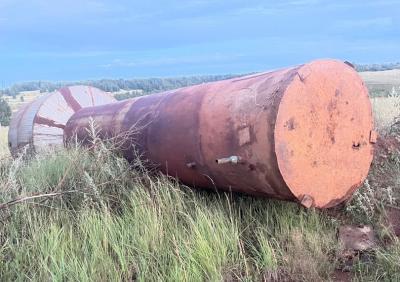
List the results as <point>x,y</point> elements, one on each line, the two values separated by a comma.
<point>41,123</point>
<point>322,138</point>
<point>299,134</point>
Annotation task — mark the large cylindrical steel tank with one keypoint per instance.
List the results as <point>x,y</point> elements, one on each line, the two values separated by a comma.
<point>40,123</point>
<point>302,133</point>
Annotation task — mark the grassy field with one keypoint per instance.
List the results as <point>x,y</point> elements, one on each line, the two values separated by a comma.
<point>111,223</point>
<point>382,83</point>
<point>114,223</point>
<point>21,99</point>
<point>105,221</point>
<point>4,152</point>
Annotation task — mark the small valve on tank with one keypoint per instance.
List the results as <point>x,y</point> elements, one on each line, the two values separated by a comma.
<point>231,160</point>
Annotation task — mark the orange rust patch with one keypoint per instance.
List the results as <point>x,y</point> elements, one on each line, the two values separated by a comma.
<point>244,136</point>
<point>322,133</point>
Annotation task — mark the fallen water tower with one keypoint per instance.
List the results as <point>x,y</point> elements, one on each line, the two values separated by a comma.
<point>303,133</point>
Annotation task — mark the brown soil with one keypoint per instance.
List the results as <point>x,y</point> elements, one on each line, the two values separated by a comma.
<point>392,219</point>
<point>341,276</point>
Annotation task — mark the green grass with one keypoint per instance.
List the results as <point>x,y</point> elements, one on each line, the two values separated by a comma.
<point>115,223</point>
<point>385,267</point>
<point>124,224</point>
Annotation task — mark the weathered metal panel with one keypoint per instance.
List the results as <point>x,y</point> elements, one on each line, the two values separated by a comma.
<point>50,120</point>
<point>20,132</point>
<point>299,134</point>
<point>13,128</point>
<point>41,123</point>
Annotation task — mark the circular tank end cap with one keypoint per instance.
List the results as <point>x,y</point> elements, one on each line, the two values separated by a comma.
<point>322,133</point>
<point>40,124</point>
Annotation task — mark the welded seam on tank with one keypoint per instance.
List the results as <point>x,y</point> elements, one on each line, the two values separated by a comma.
<point>288,81</point>
<point>208,172</point>
<point>274,101</point>
<point>138,126</point>
<point>126,105</point>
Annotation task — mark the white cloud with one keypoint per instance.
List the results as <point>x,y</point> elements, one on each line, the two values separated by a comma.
<point>300,2</point>
<point>273,8</point>
<point>25,13</point>
<point>166,61</point>
<point>365,23</point>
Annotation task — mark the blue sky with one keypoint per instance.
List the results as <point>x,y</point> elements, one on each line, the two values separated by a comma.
<point>90,39</point>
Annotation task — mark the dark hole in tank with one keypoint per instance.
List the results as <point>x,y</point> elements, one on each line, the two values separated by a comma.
<point>252,167</point>
<point>356,145</point>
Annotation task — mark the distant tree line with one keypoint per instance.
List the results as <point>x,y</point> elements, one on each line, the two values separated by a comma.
<point>377,67</point>
<point>147,85</point>
<point>128,95</point>
<point>5,112</point>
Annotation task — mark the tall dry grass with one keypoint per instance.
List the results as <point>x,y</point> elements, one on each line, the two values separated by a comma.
<point>98,218</point>
<point>108,222</point>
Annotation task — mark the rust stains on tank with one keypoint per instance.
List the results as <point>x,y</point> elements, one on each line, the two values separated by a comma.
<point>290,124</point>
<point>330,179</point>
<point>286,134</point>
<point>48,122</point>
